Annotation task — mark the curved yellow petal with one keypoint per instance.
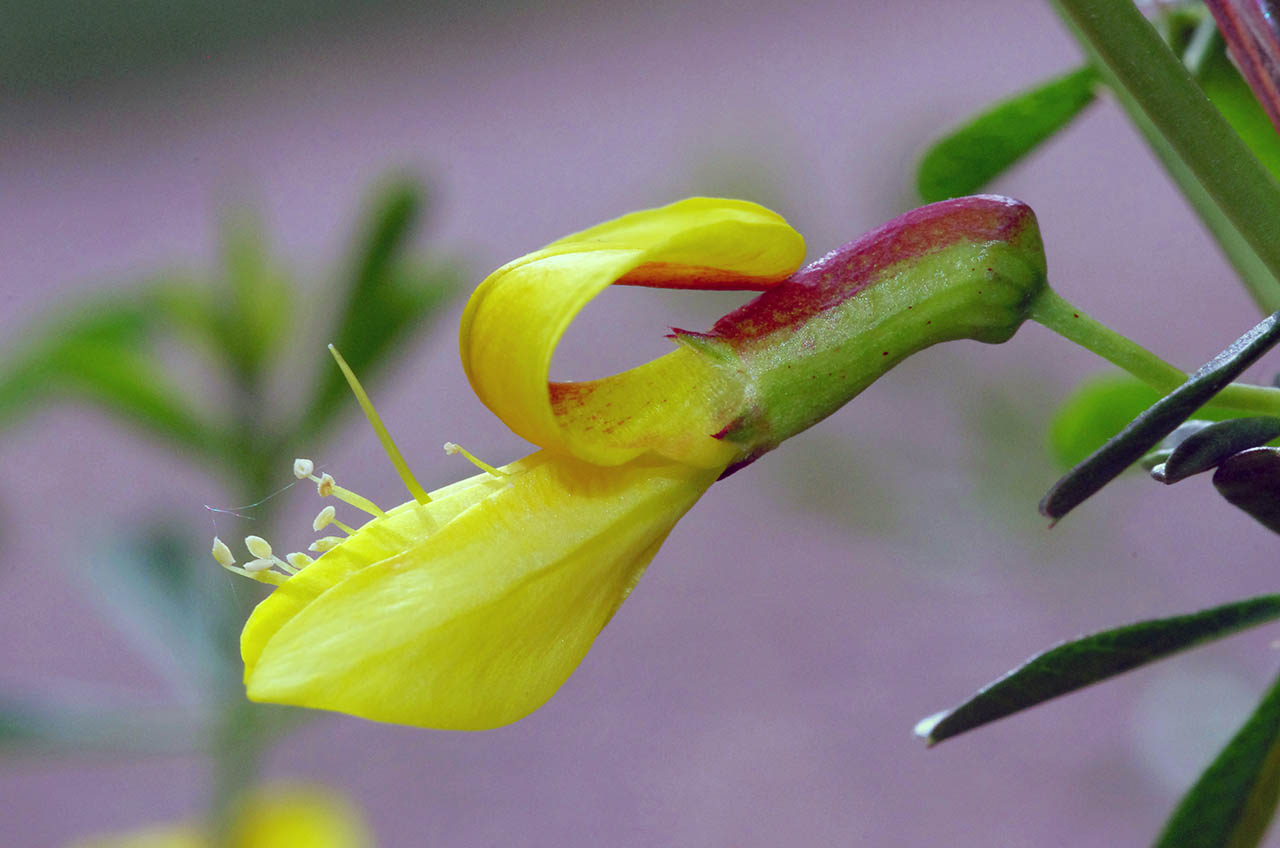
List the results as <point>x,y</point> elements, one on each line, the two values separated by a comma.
<point>480,622</point>
<point>516,317</point>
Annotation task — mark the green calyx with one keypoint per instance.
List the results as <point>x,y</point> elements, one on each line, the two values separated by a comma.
<point>965,268</point>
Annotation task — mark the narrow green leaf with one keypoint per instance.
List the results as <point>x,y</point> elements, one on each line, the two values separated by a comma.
<point>1232,803</point>
<point>257,314</point>
<point>1159,420</point>
<point>1089,659</point>
<point>1209,446</point>
<point>1097,410</point>
<point>1232,191</point>
<point>1231,94</point>
<point>1250,480</point>
<point>388,296</point>
<point>97,353</point>
<point>48,725</point>
<point>969,157</point>
<point>1170,443</point>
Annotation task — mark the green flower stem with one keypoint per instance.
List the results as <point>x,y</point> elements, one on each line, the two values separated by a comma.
<point>1231,190</point>
<point>1052,311</point>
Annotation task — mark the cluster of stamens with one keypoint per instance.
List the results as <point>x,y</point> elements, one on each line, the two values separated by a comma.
<point>266,567</point>
<point>269,568</point>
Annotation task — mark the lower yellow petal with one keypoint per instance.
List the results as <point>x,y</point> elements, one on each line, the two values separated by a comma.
<point>481,621</point>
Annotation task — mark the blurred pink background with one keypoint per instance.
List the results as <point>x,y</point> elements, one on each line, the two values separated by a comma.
<point>760,686</point>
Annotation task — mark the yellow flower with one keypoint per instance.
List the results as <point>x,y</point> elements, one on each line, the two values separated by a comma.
<point>272,817</point>
<point>467,608</point>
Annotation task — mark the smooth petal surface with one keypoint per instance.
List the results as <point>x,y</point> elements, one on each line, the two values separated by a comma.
<point>479,619</point>
<point>516,317</point>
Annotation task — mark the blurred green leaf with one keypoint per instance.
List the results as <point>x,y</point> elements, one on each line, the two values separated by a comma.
<point>387,298</point>
<point>967,159</point>
<point>1250,480</point>
<point>1159,420</point>
<point>1081,662</point>
<point>160,592</point>
<point>256,319</point>
<point>97,353</point>
<point>1099,408</point>
<point>1233,802</point>
<point>41,724</point>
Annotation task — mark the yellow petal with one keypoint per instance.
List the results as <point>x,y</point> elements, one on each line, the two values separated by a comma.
<point>308,816</point>
<point>280,816</point>
<point>516,317</point>
<point>480,622</point>
<point>403,528</point>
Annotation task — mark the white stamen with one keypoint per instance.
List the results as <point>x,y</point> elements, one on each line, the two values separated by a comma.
<point>324,486</point>
<point>222,553</point>
<point>324,519</point>
<point>453,447</point>
<point>326,543</point>
<point>258,565</point>
<point>299,560</point>
<point>303,468</point>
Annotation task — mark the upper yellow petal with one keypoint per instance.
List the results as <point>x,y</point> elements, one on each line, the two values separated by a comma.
<point>516,317</point>
<point>478,623</point>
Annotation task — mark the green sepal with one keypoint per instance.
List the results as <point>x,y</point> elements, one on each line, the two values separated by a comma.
<point>965,268</point>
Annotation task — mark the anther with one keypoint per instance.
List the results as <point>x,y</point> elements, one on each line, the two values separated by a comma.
<point>299,560</point>
<point>258,546</point>
<point>304,469</point>
<point>222,553</point>
<point>326,543</point>
<point>324,519</point>
<point>452,448</point>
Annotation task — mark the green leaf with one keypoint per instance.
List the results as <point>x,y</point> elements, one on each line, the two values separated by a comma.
<point>968,158</point>
<point>165,595</point>
<point>78,725</point>
<point>1250,480</point>
<point>1231,94</point>
<point>97,353</point>
<point>1089,659</point>
<point>257,317</point>
<point>1209,446</point>
<point>1159,420</point>
<point>1232,803</point>
<point>1099,408</point>
<point>387,298</point>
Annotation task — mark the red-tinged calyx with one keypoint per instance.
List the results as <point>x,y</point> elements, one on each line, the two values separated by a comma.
<point>968,268</point>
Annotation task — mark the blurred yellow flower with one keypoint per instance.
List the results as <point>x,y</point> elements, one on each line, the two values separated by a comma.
<point>291,816</point>
<point>467,608</point>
